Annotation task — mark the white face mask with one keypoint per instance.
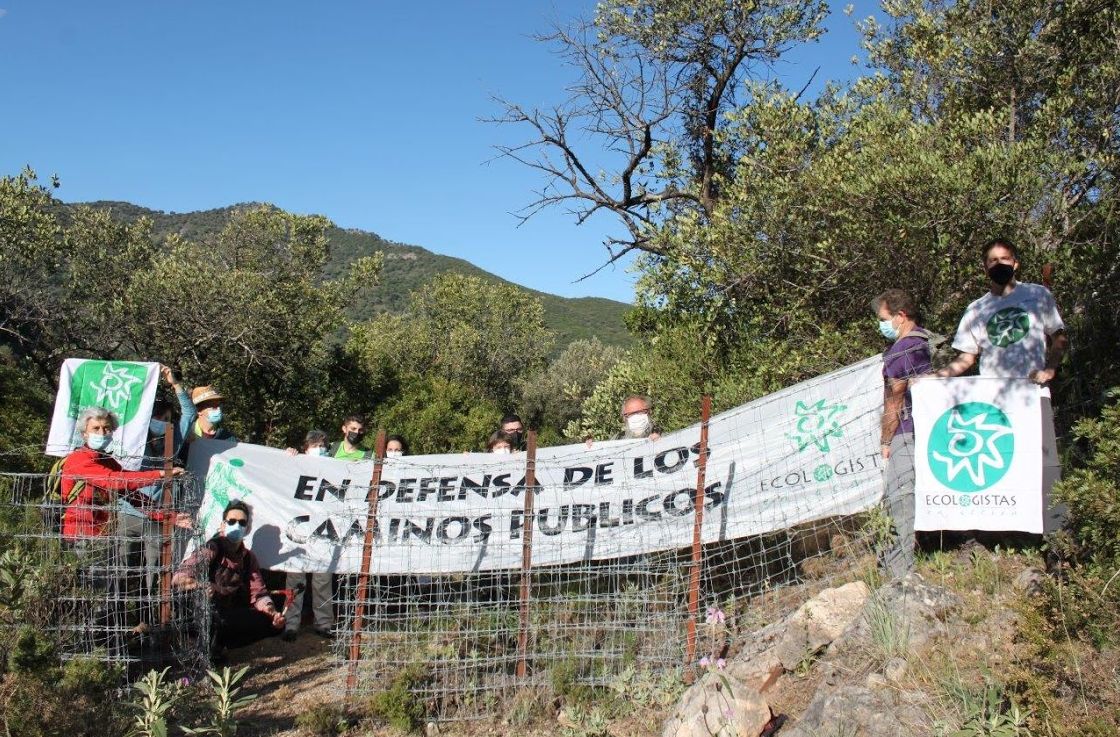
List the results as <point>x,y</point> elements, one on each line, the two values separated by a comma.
<point>639,423</point>
<point>394,453</point>
<point>501,450</point>
<point>316,450</point>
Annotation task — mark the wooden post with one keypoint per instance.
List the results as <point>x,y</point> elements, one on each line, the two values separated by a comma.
<point>527,553</point>
<point>167,526</point>
<point>1048,275</point>
<point>697,530</point>
<point>362,592</point>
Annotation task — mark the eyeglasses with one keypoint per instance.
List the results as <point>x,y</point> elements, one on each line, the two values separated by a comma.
<point>241,522</point>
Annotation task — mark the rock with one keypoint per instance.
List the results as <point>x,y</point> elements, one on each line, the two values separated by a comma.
<point>710,707</point>
<point>759,672</point>
<point>918,608</point>
<point>876,680</point>
<point>431,729</point>
<point>819,621</point>
<point>895,670</point>
<point>1029,581</point>
<point>863,711</point>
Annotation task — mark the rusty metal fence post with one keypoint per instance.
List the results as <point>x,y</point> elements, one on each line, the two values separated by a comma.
<point>367,556</point>
<point>697,540</point>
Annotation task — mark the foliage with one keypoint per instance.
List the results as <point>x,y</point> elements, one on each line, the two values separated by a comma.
<point>399,703</point>
<point>457,357</point>
<point>156,700</point>
<point>227,701</point>
<point>40,697</point>
<point>323,720</point>
<point>986,713</point>
<point>554,396</point>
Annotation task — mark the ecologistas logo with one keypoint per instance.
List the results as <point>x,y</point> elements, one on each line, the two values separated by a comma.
<point>816,425</point>
<point>971,447</point>
<point>114,385</point>
<point>1008,326</point>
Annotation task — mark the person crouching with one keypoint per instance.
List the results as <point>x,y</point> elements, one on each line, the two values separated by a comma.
<point>241,608</point>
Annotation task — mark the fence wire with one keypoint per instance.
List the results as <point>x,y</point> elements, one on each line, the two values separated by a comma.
<point>453,640</point>
<point>105,594</point>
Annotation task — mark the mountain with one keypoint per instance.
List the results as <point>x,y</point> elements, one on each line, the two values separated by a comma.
<point>406,268</point>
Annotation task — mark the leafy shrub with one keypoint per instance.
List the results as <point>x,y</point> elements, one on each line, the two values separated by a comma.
<point>400,705</point>
<point>323,720</point>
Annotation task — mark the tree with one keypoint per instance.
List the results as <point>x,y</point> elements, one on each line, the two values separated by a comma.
<point>552,398</point>
<point>655,78</point>
<point>464,345</point>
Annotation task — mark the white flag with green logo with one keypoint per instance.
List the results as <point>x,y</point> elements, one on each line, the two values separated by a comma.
<point>977,455</point>
<point>125,388</point>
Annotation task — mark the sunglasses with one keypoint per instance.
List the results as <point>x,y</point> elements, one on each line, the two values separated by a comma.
<point>241,522</point>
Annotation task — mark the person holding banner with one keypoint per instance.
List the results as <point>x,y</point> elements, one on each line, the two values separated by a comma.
<point>353,432</point>
<point>91,477</point>
<point>637,421</point>
<point>208,426</point>
<point>907,358</point>
<point>1014,329</point>
<point>314,444</point>
<point>242,609</point>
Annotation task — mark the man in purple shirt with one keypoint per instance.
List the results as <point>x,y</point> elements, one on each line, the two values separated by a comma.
<point>907,358</point>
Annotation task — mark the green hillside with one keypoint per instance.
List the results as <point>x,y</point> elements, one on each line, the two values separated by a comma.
<point>406,268</point>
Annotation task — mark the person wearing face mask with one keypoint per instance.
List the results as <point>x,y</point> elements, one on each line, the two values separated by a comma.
<point>513,426</point>
<point>907,358</point>
<point>1014,329</point>
<point>314,444</point>
<point>242,610</point>
<point>637,420</point>
<point>208,424</point>
<point>353,433</point>
<point>91,477</point>
<point>141,524</point>
<point>395,447</point>
<point>500,443</point>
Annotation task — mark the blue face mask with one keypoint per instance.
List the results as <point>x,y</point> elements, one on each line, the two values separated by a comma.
<point>98,442</point>
<point>887,328</point>
<point>214,416</point>
<point>157,427</point>
<point>234,533</point>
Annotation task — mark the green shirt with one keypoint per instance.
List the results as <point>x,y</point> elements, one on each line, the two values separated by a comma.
<point>338,450</point>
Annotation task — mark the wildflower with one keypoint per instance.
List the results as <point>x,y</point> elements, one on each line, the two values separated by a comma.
<point>728,713</point>
<point>716,615</point>
<point>721,663</point>
<point>705,661</point>
<point>183,682</point>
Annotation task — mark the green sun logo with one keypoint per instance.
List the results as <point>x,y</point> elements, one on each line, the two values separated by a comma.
<point>971,446</point>
<point>815,424</point>
<point>1008,326</point>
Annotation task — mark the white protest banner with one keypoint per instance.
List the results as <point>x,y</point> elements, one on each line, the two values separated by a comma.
<point>805,453</point>
<point>977,455</point>
<point>126,388</point>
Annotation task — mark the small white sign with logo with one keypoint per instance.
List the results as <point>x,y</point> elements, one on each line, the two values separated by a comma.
<point>978,454</point>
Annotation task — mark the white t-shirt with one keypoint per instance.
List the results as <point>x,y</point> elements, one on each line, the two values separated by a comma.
<point>1010,332</point>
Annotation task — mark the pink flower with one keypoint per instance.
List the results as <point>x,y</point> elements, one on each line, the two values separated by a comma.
<point>705,661</point>
<point>721,663</point>
<point>716,615</point>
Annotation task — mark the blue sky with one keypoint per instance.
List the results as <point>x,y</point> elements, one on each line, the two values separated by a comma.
<point>368,113</point>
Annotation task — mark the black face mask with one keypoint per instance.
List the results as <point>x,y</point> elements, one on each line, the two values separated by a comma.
<point>1002,274</point>
<point>515,439</point>
<point>355,437</point>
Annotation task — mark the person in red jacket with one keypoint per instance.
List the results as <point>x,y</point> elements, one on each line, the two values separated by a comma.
<point>91,478</point>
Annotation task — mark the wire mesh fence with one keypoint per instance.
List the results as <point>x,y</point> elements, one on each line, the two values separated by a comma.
<point>101,590</point>
<point>630,593</point>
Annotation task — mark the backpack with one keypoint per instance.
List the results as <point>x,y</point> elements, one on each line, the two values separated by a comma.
<point>941,352</point>
<point>54,504</point>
